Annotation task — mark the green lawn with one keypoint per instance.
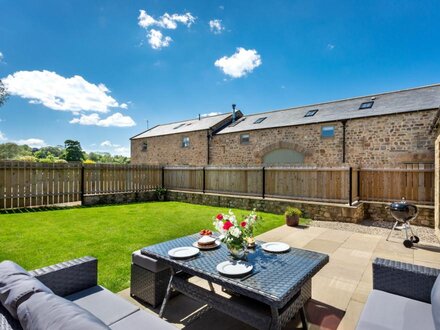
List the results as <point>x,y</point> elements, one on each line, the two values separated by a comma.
<point>109,233</point>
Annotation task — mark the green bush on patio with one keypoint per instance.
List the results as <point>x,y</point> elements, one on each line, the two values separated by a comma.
<point>109,233</point>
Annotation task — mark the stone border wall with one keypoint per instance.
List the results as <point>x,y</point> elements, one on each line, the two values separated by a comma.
<point>314,210</point>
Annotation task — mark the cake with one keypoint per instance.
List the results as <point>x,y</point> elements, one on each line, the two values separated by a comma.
<point>206,241</point>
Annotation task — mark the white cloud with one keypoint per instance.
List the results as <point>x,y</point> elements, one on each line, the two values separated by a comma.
<point>59,93</point>
<point>239,64</point>
<point>106,143</point>
<point>115,148</point>
<point>210,114</point>
<point>3,136</point>
<point>123,106</point>
<point>330,46</point>
<point>155,37</point>
<point>157,40</point>
<point>216,26</point>
<point>1,56</point>
<point>166,21</point>
<point>32,142</point>
<point>117,119</point>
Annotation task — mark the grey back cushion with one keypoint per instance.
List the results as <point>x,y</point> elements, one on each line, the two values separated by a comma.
<point>46,311</point>
<point>435,302</point>
<point>17,285</point>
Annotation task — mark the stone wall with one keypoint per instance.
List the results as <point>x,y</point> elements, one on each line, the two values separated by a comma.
<point>382,141</point>
<point>391,140</point>
<point>168,150</point>
<point>379,212</point>
<point>225,149</point>
<point>313,210</point>
<point>121,198</point>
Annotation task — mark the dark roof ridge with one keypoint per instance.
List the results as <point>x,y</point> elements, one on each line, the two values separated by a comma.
<point>186,120</point>
<point>342,100</point>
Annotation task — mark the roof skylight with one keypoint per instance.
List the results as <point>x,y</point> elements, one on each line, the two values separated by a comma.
<point>366,105</point>
<point>311,113</point>
<point>178,126</point>
<point>259,120</point>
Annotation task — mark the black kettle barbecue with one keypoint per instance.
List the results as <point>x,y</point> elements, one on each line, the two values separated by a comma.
<point>404,213</point>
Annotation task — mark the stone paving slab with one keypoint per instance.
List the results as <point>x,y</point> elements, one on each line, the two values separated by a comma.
<point>343,284</point>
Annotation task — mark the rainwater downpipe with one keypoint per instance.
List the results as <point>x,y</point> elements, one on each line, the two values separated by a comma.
<point>344,126</point>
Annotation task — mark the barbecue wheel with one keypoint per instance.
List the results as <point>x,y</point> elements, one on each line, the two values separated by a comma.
<point>407,243</point>
<point>414,239</point>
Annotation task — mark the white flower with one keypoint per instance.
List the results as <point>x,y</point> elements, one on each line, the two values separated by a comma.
<point>236,232</point>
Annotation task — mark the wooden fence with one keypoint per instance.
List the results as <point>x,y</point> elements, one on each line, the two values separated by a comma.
<point>25,184</point>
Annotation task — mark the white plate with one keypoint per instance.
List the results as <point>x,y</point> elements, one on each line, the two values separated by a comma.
<point>275,247</point>
<point>210,247</point>
<point>183,252</point>
<point>234,268</point>
<point>221,237</point>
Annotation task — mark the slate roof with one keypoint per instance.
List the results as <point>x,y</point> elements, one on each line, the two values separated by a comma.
<point>191,125</point>
<point>420,98</point>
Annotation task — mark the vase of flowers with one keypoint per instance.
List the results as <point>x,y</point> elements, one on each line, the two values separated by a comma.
<point>236,234</point>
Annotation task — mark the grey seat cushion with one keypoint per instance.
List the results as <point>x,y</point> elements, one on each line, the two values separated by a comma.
<point>142,320</point>
<point>435,302</point>
<point>386,311</point>
<point>146,262</point>
<point>46,311</point>
<point>102,303</point>
<point>17,285</point>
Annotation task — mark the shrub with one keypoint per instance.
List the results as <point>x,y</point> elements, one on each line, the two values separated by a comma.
<point>290,211</point>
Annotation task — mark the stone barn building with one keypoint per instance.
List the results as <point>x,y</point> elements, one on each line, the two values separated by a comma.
<point>180,143</point>
<point>380,130</point>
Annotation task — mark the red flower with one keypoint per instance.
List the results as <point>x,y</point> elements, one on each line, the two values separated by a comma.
<point>228,224</point>
<point>219,217</point>
<point>243,224</point>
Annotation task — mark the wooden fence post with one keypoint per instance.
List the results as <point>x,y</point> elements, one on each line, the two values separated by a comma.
<point>203,180</point>
<point>83,184</point>
<point>163,177</point>
<point>350,185</point>
<point>263,193</point>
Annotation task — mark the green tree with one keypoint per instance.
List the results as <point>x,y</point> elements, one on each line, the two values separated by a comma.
<point>73,151</point>
<point>3,94</point>
<point>47,152</point>
<point>14,151</point>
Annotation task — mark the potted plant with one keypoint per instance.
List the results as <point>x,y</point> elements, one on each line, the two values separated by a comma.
<point>160,193</point>
<point>292,215</point>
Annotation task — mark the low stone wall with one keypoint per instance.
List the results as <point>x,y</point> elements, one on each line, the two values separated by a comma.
<point>379,212</point>
<point>314,210</point>
<point>120,198</point>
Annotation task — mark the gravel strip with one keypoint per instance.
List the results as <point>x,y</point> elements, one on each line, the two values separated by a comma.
<point>380,228</point>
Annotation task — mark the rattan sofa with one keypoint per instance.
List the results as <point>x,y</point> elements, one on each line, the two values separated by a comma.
<point>76,280</point>
<point>404,296</point>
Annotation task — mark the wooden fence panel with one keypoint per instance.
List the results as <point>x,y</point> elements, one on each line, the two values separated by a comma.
<point>386,185</point>
<point>113,178</point>
<point>26,184</point>
<point>308,183</point>
<point>234,180</point>
<point>183,178</point>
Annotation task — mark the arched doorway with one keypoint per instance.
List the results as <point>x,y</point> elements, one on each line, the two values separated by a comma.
<point>283,156</point>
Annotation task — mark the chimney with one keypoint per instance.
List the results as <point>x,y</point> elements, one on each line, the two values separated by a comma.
<point>199,116</point>
<point>233,112</point>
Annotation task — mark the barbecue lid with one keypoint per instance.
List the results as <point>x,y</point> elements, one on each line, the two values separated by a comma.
<point>400,206</point>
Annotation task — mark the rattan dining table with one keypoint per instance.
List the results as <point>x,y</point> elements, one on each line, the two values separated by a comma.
<point>267,298</point>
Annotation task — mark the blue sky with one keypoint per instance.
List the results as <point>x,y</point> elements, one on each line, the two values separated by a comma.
<point>96,71</point>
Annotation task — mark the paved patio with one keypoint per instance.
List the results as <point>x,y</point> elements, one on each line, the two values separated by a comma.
<point>341,286</point>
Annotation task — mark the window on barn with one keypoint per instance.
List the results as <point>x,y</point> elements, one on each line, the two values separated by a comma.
<point>366,105</point>
<point>244,138</point>
<point>327,131</point>
<point>259,120</point>
<point>311,113</point>
<point>185,142</point>
<point>144,146</point>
